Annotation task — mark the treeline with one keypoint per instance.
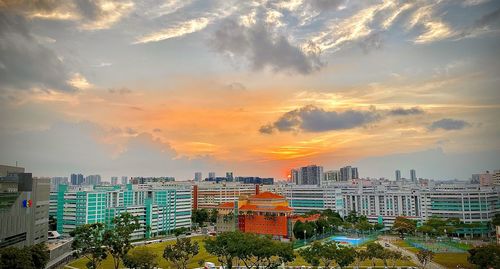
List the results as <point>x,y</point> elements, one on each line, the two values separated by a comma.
<point>202,216</point>
<point>330,221</point>
<point>33,257</point>
<point>254,251</point>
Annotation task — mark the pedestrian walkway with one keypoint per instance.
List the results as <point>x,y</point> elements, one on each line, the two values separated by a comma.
<point>413,257</point>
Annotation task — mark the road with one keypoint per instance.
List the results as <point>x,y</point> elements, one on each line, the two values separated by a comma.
<point>413,257</point>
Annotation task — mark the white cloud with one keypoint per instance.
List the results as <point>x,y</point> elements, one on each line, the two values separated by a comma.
<point>178,30</point>
<point>80,82</point>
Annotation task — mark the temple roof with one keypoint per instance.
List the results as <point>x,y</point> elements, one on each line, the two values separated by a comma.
<point>227,205</point>
<point>267,195</point>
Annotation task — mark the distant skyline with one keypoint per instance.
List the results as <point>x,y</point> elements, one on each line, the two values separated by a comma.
<point>169,88</point>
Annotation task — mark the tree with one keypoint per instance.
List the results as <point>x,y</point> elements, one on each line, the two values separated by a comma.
<point>378,226</point>
<point>199,216</point>
<point>39,255</point>
<point>404,226</point>
<point>213,215</point>
<point>117,239</point>
<point>395,256</point>
<point>225,246</point>
<point>496,220</point>
<point>360,256</point>
<point>352,217</point>
<point>344,256</point>
<point>15,258</point>
<point>425,257</point>
<point>181,252</point>
<point>363,226</point>
<point>257,251</point>
<point>374,251</point>
<point>299,227</point>
<point>88,241</point>
<point>141,258</point>
<point>318,252</point>
<point>385,255</point>
<point>179,231</point>
<point>487,256</point>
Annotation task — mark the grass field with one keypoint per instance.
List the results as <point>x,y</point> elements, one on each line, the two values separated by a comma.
<point>449,260</point>
<point>404,244</point>
<point>202,255</point>
<point>158,249</point>
<point>452,260</point>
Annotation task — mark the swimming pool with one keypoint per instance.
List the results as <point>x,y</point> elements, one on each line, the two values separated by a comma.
<point>343,240</point>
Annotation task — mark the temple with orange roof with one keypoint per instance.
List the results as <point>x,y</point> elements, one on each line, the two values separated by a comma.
<point>264,213</point>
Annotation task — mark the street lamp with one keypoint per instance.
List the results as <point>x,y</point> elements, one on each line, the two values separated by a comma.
<point>305,236</point>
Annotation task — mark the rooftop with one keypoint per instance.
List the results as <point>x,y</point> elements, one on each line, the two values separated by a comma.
<point>267,195</point>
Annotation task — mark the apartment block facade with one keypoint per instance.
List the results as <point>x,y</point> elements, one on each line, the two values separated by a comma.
<point>159,208</point>
<point>383,202</point>
<point>210,195</point>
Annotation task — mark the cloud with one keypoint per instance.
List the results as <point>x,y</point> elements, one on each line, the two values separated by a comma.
<point>327,5</point>
<point>372,42</point>
<point>24,62</point>
<point>313,119</point>
<point>236,86</point>
<point>120,91</point>
<point>406,112</point>
<point>263,49</point>
<point>176,30</point>
<point>86,147</point>
<point>92,14</point>
<point>449,124</point>
<point>434,28</point>
<point>481,25</point>
<point>80,82</point>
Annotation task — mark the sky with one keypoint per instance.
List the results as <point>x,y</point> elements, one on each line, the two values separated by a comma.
<point>172,87</point>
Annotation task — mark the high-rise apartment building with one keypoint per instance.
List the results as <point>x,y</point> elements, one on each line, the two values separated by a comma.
<point>382,202</point>
<point>211,175</point>
<point>311,175</point>
<point>229,176</point>
<point>77,179</point>
<point>413,175</point>
<point>159,207</point>
<point>486,179</point>
<point>93,180</point>
<point>330,177</point>
<point>56,181</point>
<point>198,176</point>
<point>496,177</point>
<point>210,195</point>
<point>398,175</point>
<point>295,176</point>
<point>124,180</point>
<point>348,173</point>
<point>24,207</point>
<point>354,173</point>
<point>114,181</point>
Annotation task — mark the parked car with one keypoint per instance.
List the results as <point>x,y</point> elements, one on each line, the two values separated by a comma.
<point>209,265</point>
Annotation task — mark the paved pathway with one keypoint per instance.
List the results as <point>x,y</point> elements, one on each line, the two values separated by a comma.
<point>413,257</point>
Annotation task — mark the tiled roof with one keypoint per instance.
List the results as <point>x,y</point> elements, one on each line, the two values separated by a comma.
<point>308,218</point>
<point>267,195</point>
<point>227,205</point>
<point>256,208</point>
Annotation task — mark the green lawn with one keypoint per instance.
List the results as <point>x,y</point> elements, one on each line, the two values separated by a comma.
<point>404,244</point>
<point>203,255</point>
<point>451,260</point>
<point>158,249</point>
